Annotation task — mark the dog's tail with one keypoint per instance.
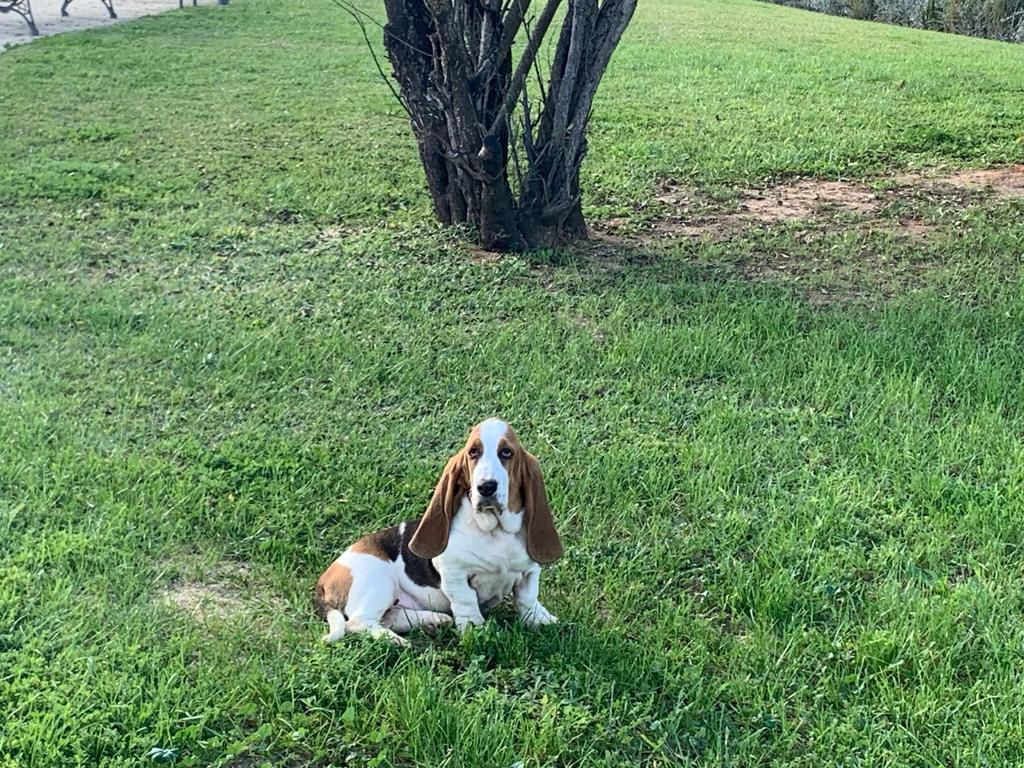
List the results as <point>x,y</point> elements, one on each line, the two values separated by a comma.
<point>330,599</point>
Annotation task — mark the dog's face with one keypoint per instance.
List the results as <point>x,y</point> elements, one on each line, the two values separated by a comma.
<point>504,487</point>
<point>490,452</point>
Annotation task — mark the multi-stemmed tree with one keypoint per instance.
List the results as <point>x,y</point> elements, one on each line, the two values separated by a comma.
<point>500,112</point>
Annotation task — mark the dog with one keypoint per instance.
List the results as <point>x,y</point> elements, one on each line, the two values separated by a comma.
<point>485,534</point>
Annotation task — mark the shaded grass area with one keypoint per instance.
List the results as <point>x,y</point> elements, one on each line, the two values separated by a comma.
<point>229,335</point>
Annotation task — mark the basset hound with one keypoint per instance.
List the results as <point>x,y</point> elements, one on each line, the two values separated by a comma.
<point>486,532</point>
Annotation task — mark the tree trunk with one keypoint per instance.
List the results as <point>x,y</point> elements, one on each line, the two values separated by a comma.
<point>461,86</point>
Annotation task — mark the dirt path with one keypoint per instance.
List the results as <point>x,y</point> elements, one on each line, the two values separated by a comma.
<point>84,14</point>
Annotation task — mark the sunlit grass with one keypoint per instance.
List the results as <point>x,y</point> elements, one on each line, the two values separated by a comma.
<point>230,334</point>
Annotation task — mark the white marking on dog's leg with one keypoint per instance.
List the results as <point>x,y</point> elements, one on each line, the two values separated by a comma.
<point>335,626</point>
<point>532,613</point>
<point>406,619</point>
<point>374,590</point>
<point>463,599</point>
<point>376,631</point>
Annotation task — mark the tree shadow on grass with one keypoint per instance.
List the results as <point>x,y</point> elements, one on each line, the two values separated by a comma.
<point>820,256</point>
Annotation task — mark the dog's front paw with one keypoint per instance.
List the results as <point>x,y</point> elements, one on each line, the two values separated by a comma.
<point>463,623</point>
<point>434,626</point>
<point>537,615</point>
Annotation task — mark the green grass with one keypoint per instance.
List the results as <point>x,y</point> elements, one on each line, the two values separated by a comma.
<point>230,334</point>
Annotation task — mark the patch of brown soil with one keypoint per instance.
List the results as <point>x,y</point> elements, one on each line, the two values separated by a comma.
<point>688,215</point>
<point>912,209</point>
<point>808,198</point>
<point>226,590</point>
<point>331,234</point>
<point>915,228</point>
<point>1001,183</point>
<point>901,206</point>
<point>816,202</point>
<point>204,601</point>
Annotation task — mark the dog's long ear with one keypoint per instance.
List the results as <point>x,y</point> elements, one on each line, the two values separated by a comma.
<point>431,537</point>
<point>542,540</point>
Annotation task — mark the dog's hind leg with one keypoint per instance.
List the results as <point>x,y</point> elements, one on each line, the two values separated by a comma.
<point>335,626</point>
<point>374,592</point>
<point>402,619</point>
<point>376,631</point>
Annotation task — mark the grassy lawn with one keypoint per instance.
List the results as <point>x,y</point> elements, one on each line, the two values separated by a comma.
<point>231,340</point>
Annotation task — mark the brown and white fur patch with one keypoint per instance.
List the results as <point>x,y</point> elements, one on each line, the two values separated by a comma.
<point>486,532</point>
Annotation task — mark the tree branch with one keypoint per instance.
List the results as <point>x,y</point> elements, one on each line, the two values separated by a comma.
<point>611,23</point>
<point>583,13</point>
<point>519,78</point>
<point>510,26</point>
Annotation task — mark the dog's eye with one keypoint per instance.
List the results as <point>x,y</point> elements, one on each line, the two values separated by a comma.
<point>505,453</point>
<point>474,453</point>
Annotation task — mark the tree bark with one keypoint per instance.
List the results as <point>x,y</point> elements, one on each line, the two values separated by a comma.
<point>453,60</point>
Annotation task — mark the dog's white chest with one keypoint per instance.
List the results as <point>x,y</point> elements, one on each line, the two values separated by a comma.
<point>493,561</point>
<point>493,587</point>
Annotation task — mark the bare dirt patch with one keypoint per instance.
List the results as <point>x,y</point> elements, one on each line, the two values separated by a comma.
<point>823,205</point>
<point>808,198</point>
<point>909,210</point>
<point>1000,183</point>
<point>686,214</point>
<point>223,591</point>
<point>203,601</point>
<point>841,241</point>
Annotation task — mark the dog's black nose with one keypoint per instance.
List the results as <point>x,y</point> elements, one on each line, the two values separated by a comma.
<point>488,487</point>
